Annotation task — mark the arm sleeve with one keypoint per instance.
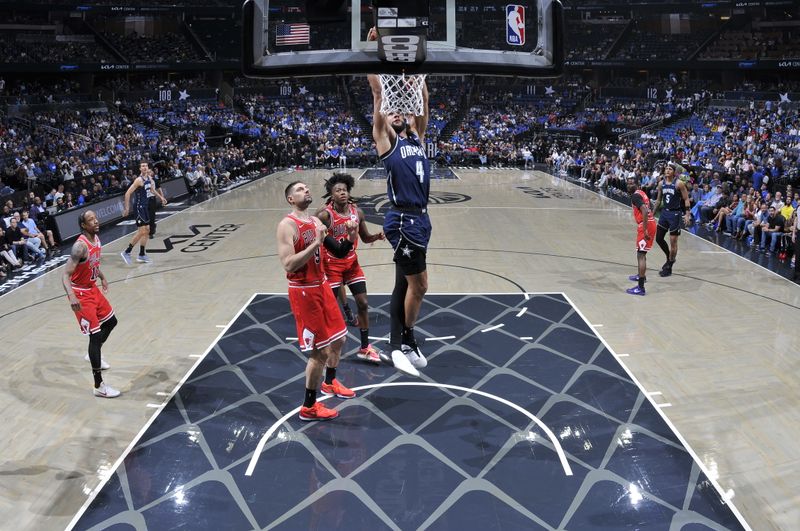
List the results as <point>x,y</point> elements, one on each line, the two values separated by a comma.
<point>338,249</point>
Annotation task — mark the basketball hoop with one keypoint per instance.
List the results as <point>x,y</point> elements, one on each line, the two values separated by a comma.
<point>402,94</point>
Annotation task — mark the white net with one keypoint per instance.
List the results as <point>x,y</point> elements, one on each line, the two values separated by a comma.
<point>402,94</point>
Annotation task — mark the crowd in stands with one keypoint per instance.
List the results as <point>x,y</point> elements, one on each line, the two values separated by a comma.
<point>642,44</point>
<point>36,91</point>
<point>175,82</point>
<point>68,157</point>
<point>592,41</point>
<point>170,47</point>
<point>202,38</point>
<point>750,43</point>
<point>24,48</point>
<point>319,129</point>
<point>222,36</point>
<point>740,166</point>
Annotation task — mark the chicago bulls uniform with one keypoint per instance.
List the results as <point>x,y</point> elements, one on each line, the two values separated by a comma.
<point>316,312</point>
<point>342,270</point>
<point>638,199</point>
<point>95,309</point>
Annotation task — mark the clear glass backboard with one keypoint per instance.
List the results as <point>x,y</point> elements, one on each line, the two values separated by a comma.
<point>289,38</point>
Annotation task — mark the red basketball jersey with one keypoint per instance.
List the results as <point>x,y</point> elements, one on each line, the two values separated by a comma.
<point>338,229</point>
<point>313,272</point>
<point>637,214</point>
<point>85,273</point>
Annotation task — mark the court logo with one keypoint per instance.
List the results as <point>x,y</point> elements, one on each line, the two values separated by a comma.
<point>195,242</point>
<point>28,273</point>
<point>515,25</point>
<point>375,206</point>
<point>545,192</point>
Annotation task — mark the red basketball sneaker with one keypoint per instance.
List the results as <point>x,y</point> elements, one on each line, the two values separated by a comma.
<point>370,353</point>
<point>336,388</point>
<point>317,412</point>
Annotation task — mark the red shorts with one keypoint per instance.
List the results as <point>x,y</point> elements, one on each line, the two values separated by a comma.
<point>95,309</point>
<point>343,272</point>
<point>641,243</point>
<point>317,315</point>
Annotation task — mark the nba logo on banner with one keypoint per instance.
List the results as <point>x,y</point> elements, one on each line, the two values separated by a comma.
<point>515,25</point>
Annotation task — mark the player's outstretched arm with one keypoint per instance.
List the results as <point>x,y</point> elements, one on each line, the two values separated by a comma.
<point>421,122</point>
<point>380,127</point>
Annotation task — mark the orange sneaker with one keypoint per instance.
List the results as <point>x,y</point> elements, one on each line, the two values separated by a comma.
<point>318,412</point>
<point>336,388</point>
<point>370,354</point>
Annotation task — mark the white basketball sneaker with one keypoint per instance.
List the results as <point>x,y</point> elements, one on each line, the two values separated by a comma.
<point>402,363</point>
<point>103,365</point>
<point>105,391</point>
<point>415,356</point>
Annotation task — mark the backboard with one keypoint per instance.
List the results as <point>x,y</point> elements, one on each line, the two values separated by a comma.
<point>288,38</point>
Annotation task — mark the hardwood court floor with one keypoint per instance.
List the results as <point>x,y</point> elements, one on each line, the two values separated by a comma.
<point>718,340</point>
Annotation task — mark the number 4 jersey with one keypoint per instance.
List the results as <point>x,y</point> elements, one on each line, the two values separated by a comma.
<point>409,172</point>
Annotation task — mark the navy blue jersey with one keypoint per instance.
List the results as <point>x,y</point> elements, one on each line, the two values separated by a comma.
<point>142,193</point>
<point>409,172</point>
<point>671,195</point>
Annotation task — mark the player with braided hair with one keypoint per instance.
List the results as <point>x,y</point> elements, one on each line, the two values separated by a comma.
<point>337,212</point>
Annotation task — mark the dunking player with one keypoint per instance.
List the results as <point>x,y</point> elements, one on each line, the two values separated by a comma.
<point>95,315</point>
<point>320,327</point>
<point>399,141</point>
<point>143,186</point>
<point>675,199</point>
<point>646,228</point>
<point>336,214</point>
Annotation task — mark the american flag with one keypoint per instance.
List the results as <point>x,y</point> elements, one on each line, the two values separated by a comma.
<point>286,34</point>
